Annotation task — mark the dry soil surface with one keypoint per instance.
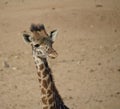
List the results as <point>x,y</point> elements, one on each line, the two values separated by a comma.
<point>87,70</point>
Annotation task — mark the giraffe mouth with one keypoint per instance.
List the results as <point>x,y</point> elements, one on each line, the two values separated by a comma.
<point>53,55</point>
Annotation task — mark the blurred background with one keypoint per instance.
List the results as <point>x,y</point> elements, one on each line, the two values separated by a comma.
<point>87,70</point>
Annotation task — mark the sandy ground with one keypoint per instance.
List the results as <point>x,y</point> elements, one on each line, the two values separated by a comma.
<point>87,70</point>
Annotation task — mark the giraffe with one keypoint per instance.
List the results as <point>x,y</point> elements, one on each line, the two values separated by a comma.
<point>41,43</point>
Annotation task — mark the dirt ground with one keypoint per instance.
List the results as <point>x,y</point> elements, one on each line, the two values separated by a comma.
<point>87,70</point>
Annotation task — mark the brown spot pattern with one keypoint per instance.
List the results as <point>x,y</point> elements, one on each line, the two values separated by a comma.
<point>51,100</point>
<point>41,66</point>
<point>40,85</point>
<point>52,107</point>
<point>49,92</point>
<point>51,86</point>
<point>45,107</point>
<point>48,80</point>
<point>45,72</point>
<point>44,100</point>
<point>36,66</point>
<point>39,80</point>
<point>43,91</point>
<point>45,84</point>
<point>39,74</point>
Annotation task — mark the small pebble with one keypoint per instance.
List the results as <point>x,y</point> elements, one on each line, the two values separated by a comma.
<point>101,47</point>
<point>99,63</point>
<point>6,2</point>
<point>1,69</point>
<point>78,62</point>
<point>91,26</point>
<point>53,8</point>
<point>118,93</point>
<point>5,64</point>
<point>14,68</point>
<point>16,57</point>
<point>15,86</point>
<point>119,70</point>
<point>70,97</point>
<point>115,30</point>
<point>99,5</point>
<point>92,70</point>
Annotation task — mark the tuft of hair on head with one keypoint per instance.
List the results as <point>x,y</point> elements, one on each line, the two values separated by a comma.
<point>38,30</point>
<point>42,30</point>
<point>40,27</point>
<point>33,27</point>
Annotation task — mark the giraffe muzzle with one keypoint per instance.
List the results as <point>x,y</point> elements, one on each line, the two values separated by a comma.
<point>53,55</point>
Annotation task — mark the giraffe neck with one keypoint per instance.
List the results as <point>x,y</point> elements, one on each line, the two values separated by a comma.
<point>50,97</point>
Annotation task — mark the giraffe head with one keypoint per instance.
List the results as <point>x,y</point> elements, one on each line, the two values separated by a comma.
<point>40,41</point>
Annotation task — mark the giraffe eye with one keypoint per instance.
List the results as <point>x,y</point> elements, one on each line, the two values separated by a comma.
<point>37,45</point>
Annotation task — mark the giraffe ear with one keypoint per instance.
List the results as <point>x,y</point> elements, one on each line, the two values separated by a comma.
<point>26,38</point>
<point>53,35</point>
